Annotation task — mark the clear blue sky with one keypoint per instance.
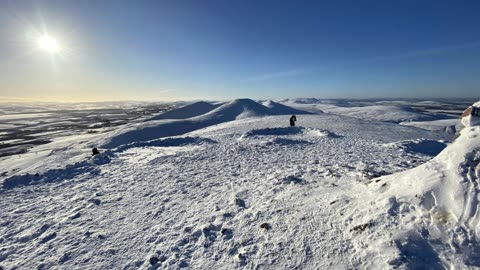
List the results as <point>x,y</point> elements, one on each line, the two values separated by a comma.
<point>156,50</point>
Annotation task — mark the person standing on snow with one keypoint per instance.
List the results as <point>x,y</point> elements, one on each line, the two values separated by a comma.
<point>292,120</point>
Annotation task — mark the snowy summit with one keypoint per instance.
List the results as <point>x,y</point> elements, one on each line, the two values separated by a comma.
<point>232,186</point>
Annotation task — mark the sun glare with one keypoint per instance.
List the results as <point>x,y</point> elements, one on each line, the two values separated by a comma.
<point>48,44</point>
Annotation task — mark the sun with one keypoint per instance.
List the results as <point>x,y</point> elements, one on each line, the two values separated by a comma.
<point>48,44</point>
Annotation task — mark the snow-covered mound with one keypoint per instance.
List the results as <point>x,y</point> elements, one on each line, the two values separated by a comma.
<point>422,146</point>
<point>249,193</point>
<point>281,109</point>
<point>233,110</point>
<point>191,110</point>
<point>472,120</point>
<point>208,200</point>
<point>285,131</point>
<point>238,109</point>
<point>433,216</point>
<point>445,125</point>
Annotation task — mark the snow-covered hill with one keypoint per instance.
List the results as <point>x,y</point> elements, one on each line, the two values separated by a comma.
<point>446,125</point>
<point>281,109</point>
<point>188,111</point>
<point>385,111</point>
<point>240,189</point>
<point>233,110</point>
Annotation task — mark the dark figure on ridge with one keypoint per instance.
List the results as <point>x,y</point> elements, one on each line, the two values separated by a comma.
<point>292,120</point>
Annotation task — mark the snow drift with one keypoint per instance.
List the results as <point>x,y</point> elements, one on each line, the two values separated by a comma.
<point>281,198</point>
<point>432,209</point>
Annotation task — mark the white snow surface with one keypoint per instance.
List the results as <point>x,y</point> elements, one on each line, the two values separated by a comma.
<point>281,109</point>
<point>446,125</point>
<point>188,111</point>
<point>234,110</point>
<point>384,113</point>
<point>471,120</point>
<point>241,190</point>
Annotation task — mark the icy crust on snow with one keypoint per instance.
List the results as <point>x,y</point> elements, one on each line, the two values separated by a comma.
<point>91,165</point>
<point>433,216</point>
<point>420,146</point>
<point>225,203</point>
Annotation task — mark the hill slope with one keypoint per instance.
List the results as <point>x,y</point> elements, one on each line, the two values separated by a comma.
<point>248,193</point>
<point>281,109</point>
<point>233,110</point>
<point>191,110</point>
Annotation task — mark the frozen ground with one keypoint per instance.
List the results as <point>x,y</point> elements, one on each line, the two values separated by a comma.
<point>240,189</point>
<point>24,126</point>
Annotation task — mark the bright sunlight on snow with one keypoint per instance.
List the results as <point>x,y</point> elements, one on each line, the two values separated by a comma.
<point>231,185</point>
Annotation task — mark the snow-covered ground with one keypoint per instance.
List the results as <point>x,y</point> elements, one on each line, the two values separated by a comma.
<point>235,187</point>
<point>446,125</point>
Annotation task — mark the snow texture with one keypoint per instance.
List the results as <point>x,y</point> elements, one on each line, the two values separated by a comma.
<point>241,190</point>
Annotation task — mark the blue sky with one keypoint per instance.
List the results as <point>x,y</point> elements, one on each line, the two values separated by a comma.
<point>164,50</point>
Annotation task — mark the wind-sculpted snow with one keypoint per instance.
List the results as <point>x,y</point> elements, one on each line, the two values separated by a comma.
<point>433,211</point>
<point>284,131</point>
<point>167,142</point>
<point>280,131</point>
<point>88,166</point>
<point>421,146</point>
<point>91,164</point>
<point>284,141</point>
<point>281,198</point>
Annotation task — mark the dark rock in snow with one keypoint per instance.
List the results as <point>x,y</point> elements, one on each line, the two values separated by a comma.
<point>360,228</point>
<point>239,202</point>
<point>48,237</point>
<point>265,226</point>
<point>95,151</point>
<point>183,264</point>
<point>95,201</point>
<point>154,260</point>
<point>75,216</point>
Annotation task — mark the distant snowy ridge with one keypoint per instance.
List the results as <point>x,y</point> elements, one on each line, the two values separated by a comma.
<point>384,113</point>
<point>233,110</point>
<point>188,111</point>
<point>281,109</point>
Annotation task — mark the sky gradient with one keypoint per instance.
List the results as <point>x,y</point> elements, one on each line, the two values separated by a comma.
<point>171,50</point>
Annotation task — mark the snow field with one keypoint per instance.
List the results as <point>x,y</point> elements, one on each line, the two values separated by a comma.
<point>199,202</point>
